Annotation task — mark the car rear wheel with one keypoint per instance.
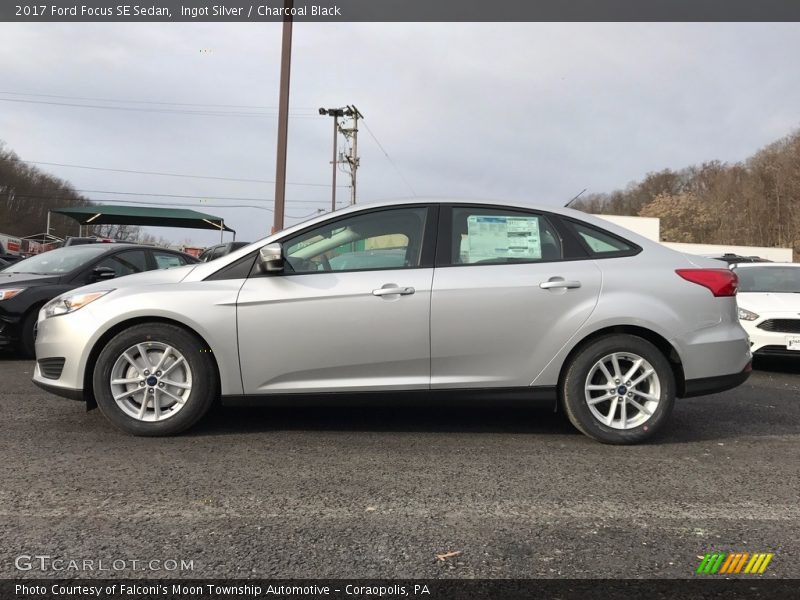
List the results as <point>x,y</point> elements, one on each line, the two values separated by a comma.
<point>619,389</point>
<point>154,379</point>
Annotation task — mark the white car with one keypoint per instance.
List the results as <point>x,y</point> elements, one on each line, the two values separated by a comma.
<point>769,307</point>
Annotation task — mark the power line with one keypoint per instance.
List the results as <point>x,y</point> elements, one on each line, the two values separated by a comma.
<point>150,101</point>
<point>206,113</point>
<point>389,158</point>
<point>162,174</point>
<point>115,192</point>
<point>198,205</point>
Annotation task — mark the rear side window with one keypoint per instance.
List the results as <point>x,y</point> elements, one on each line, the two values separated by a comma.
<point>498,236</point>
<point>601,243</point>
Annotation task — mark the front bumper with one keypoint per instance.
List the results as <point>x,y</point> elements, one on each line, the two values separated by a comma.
<point>9,335</point>
<point>68,337</point>
<point>60,391</point>
<point>771,343</point>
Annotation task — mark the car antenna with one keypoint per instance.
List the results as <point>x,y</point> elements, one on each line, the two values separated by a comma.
<point>575,198</point>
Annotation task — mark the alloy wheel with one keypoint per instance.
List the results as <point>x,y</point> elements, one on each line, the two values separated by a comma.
<point>622,390</point>
<point>151,381</point>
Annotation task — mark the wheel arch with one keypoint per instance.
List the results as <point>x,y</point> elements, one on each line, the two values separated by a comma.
<point>33,309</point>
<point>660,342</point>
<point>88,372</point>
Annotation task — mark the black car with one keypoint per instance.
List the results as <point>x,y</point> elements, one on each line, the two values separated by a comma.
<point>7,259</point>
<point>27,285</point>
<point>220,250</point>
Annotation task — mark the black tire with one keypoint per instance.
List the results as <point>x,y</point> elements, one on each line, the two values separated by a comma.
<point>27,334</point>
<point>204,389</point>
<point>573,393</point>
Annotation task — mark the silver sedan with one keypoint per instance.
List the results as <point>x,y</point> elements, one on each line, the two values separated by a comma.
<point>421,301</point>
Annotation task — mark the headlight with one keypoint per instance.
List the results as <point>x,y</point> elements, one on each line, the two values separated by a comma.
<point>70,303</point>
<point>746,315</point>
<point>7,293</point>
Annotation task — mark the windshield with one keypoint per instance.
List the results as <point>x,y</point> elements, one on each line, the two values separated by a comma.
<point>769,279</point>
<point>61,260</point>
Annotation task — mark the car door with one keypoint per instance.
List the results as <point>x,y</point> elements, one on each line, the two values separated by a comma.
<point>345,314</point>
<point>509,291</point>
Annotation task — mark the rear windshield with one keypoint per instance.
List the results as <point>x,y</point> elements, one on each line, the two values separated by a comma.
<point>769,279</point>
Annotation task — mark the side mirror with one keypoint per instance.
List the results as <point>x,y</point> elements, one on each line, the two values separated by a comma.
<point>103,273</point>
<point>270,258</point>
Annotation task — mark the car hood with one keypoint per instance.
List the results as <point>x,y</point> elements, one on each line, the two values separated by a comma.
<point>173,275</point>
<point>28,279</point>
<point>763,302</point>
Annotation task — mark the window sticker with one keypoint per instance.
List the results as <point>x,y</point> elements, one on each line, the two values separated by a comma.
<point>490,238</point>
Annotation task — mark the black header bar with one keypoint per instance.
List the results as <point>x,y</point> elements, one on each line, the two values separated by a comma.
<point>399,10</point>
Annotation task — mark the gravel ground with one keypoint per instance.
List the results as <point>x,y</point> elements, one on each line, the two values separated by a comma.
<point>379,492</point>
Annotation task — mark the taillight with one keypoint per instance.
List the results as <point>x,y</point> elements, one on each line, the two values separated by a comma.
<point>721,282</point>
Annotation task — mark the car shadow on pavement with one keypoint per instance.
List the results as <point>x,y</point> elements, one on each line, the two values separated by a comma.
<point>227,421</point>
<point>777,364</point>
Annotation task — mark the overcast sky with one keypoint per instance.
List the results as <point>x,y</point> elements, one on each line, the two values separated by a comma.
<point>518,111</point>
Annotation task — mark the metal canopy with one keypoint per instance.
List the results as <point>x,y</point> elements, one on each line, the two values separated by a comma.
<point>105,214</point>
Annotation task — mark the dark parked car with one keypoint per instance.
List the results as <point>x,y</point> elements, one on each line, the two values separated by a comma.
<point>220,250</point>
<point>7,259</point>
<point>27,285</point>
<point>80,241</point>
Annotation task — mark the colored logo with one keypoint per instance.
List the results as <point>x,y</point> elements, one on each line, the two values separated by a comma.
<point>734,563</point>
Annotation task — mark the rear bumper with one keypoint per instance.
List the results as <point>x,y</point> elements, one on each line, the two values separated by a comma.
<point>714,385</point>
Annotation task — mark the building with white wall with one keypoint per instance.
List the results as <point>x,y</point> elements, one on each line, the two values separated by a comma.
<point>650,227</point>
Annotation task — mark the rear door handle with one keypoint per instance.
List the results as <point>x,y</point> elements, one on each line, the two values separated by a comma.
<point>559,283</point>
<point>394,290</point>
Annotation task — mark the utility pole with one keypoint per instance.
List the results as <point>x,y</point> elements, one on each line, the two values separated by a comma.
<point>283,117</point>
<point>352,159</point>
<point>335,113</point>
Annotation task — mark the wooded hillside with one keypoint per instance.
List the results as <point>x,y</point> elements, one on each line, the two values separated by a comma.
<point>27,193</point>
<point>753,203</point>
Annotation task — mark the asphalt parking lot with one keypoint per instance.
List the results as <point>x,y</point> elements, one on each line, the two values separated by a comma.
<point>379,492</point>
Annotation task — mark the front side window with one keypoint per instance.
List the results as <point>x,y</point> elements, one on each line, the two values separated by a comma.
<point>125,263</point>
<point>386,239</point>
<point>497,236</point>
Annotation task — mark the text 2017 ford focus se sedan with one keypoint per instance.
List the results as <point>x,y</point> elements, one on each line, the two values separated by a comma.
<point>427,298</point>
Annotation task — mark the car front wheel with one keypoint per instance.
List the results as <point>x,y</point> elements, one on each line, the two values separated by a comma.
<point>154,379</point>
<point>618,389</point>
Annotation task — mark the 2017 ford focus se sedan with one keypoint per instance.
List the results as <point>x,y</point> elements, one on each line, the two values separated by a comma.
<point>429,298</point>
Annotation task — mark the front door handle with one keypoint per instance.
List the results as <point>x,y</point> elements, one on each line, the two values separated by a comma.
<point>559,283</point>
<point>393,290</point>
